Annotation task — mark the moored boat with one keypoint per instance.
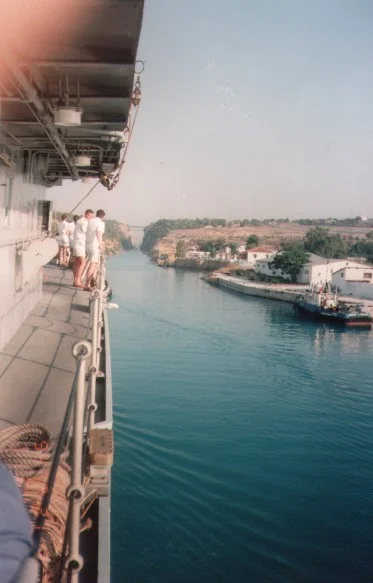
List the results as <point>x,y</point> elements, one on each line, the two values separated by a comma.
<point>326,306</point>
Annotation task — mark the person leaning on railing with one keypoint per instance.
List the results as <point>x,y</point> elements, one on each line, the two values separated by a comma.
<point>95,245</point>
<point>79,244</point>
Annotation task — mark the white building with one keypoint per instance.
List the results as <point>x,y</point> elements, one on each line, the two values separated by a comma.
<point>257,253</point>
<point>263,267</point>
<point>354,281</point>
<point>191,254</point>
<point>224,254</point>
<point>316,270</point>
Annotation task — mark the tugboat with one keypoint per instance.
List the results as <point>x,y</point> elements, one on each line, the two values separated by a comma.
<point>324,305</point>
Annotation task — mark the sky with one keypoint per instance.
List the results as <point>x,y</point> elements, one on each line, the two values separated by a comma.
<point>250,109</point>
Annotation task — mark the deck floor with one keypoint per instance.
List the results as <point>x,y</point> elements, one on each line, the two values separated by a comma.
<point>37,366</point>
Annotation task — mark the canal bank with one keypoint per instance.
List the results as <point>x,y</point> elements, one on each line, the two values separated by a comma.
<point>275,291</point>
<point>281,292</point>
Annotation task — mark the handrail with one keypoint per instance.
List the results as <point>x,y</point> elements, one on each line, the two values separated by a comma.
<point>39,523</point>
<point>92,405</point>
<point>87,355</point>
<point>23,240</point>
<point>97,299</point>
<point>82,351</point>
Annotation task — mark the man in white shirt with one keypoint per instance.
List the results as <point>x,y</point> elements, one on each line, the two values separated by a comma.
<point>80,233</point>
<point>63,240</point>
<point>94,245</point>
<point>71,239</point>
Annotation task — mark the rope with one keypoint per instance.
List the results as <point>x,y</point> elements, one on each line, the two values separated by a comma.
<point>28,450</point>
<point>84,197</point>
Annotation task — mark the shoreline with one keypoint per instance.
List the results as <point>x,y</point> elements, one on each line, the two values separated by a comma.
<point>272,291</point>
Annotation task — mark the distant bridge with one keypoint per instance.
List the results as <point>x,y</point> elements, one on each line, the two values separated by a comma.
<point>139,227</point>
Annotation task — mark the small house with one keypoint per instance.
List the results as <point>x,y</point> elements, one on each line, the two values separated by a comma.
<point>257,253</point>
<point>354,281</point>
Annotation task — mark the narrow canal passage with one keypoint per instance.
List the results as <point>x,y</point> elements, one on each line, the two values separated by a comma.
<point>242,437</point>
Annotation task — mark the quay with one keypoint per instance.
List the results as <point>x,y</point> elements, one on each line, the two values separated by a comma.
<point>283,292</point>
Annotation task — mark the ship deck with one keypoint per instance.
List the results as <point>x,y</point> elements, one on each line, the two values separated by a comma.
<point>36,366</point>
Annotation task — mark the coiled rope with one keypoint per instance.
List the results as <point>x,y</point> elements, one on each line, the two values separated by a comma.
<point>28,452</point>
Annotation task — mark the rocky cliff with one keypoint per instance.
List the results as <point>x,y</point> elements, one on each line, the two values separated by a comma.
<point>117,237</point>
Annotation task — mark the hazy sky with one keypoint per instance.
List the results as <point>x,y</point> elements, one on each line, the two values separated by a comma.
<point>250,109</point>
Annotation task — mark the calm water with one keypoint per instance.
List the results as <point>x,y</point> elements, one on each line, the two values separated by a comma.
<point>243,437</point>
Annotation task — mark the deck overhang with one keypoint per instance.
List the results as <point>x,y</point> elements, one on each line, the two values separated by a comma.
<point>87,50</point>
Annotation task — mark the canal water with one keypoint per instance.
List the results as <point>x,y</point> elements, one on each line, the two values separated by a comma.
<point>243,437</point>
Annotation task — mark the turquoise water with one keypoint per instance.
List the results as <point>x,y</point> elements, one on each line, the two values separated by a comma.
<point>243,437</point>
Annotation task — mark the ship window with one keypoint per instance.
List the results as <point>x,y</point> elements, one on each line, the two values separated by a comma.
<point>367,276</point>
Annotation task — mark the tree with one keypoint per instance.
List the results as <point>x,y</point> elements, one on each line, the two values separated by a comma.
<point>233,247</point>
<point>321,242</point>
<point>181,249</point>
<point>212,245</point>
<point>362,249</point>
<point>369,235</point>
<point>292,245</point>
<point>252,241</point>
<point>290,262</point>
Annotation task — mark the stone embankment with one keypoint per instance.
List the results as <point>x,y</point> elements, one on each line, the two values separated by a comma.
<point>275,291</point>
<point>281,292</point>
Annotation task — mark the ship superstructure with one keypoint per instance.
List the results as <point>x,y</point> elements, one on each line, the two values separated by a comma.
<point>65,106</point>
<point>68,92</point>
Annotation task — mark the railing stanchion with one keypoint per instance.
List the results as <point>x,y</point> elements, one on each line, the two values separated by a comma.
<point>92,405</point>
<point>101,287</point>
<point>82,351</point>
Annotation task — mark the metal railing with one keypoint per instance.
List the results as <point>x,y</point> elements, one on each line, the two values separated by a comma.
<point>82,351</point>
<point>97,302</point>
<point>87,354</point>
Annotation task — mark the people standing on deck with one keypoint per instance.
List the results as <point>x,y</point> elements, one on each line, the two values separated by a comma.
<point>63,240</point>
<point>95,244</point>
<point>80,233</point>
<point>71,238</point>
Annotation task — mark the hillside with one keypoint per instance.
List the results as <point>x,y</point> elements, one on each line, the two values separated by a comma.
<point>268,235</point>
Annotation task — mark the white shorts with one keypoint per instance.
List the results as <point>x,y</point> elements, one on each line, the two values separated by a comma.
<point>79,250</point>
<point>93,253</point>
<point>62,240</point>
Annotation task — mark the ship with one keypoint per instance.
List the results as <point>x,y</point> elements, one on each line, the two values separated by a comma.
<point>69,94</point>
<point>324,305</point>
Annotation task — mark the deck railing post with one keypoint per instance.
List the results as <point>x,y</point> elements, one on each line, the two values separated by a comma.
<point>92,405</point>
<point>101,287</point>
<point>82,351</point>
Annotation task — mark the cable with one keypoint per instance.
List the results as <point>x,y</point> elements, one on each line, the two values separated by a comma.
<point>84,197</point>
